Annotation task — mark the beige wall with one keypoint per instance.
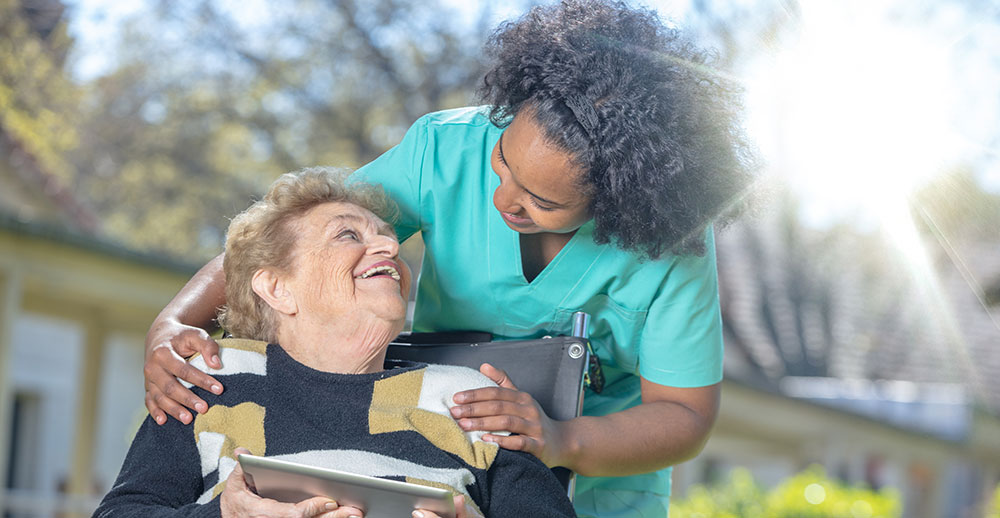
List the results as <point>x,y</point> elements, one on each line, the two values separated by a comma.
<point>104,292</point>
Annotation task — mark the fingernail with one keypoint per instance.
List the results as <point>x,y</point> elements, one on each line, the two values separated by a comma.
<point>459,398</point>
<point>185,417</point>
<point>456,411</point>
<point>418,514</point>
<point>330,506</point>
<point>353,516</point>
<point>465,423</point>
<point>160,419</point>
<point>201,407</point>
<point>217,389</point>
<point>216,360</point>
<point>489,438</point>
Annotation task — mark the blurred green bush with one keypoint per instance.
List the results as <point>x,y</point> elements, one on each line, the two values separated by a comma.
<point>809,494</point>
<point>994,509</point>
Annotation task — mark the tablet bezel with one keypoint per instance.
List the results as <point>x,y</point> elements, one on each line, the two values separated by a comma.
<point>284,480</point>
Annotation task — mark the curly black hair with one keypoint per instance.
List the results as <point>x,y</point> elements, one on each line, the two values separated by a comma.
<point>639,107</point>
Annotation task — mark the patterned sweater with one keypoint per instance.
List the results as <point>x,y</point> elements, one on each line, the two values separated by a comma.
<point>392,424</point>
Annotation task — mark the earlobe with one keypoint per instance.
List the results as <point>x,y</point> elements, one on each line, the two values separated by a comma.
<point>272,288</point>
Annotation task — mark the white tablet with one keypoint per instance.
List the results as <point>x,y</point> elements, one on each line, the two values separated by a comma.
<point>292,482</point>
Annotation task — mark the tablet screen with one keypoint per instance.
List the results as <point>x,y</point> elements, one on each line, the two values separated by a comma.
<point>292,482</point>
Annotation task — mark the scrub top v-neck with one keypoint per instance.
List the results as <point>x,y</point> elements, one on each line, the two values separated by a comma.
<point>656,319</point>
<point>549,289</point>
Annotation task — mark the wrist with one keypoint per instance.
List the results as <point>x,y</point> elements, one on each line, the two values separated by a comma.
<point>571,443</point>
<point>159,323</point>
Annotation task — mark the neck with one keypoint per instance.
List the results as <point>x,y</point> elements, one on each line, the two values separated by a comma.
<point>538,250</point>
<point>354,346</point>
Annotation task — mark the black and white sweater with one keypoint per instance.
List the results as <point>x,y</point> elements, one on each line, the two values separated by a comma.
<point>391,424</point>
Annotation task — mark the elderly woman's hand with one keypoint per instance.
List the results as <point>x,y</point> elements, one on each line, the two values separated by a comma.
<point>505,408</point>
<point>239,501</point>
<point>461,510</point>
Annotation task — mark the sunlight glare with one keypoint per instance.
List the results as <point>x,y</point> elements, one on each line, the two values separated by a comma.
<point>855,113</point>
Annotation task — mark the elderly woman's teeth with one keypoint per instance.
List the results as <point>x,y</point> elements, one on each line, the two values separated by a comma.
<point>388,270</point>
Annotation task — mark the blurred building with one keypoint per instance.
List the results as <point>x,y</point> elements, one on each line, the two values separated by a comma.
<point>73,314</point>
<point>883,381</point>
<point>74,307</point>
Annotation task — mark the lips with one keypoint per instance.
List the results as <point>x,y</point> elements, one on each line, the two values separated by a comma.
<point>516,221</point>
<point>381,269</point>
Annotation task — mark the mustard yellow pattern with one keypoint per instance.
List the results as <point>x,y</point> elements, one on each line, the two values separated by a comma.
<point>389,397</point>
<point>254,346</point>
<point>394,409</point>
<point>241,425</point>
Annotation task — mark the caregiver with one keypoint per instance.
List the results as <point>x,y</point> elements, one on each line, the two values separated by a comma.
<point>590,183</point>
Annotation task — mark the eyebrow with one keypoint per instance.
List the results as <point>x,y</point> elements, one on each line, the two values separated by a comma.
<point>383,228</point>
<point>504,160</point>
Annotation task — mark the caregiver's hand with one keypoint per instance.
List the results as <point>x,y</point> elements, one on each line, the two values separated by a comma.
<point>168,342</point>
<point>505,408</point>
<point>238,500</point>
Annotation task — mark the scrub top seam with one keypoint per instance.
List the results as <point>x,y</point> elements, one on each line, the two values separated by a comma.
<point>420,180</point>
<point>547,271</point>
<point>580,279</point>
<point>489,249</point>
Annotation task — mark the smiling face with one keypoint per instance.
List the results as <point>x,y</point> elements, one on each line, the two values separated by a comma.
<point>539,183</point>
<point>346,266</point>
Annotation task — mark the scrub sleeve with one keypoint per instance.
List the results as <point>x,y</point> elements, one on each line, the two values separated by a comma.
<point>656,319</point>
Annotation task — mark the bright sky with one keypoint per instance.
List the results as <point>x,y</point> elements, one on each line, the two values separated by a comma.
<point>857,119</point>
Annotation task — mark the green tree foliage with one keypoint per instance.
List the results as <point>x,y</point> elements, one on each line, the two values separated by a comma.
<point>206,106</point>
<point>809,494</point>
<point>38,104</point>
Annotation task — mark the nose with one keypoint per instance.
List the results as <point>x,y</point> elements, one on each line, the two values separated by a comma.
<point>504,198</point>
<point>384,245</point>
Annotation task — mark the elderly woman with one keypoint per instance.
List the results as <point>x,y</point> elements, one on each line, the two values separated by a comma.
<point>315,292</point>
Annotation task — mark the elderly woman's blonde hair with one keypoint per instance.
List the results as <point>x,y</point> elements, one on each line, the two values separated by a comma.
<point>263,236</point>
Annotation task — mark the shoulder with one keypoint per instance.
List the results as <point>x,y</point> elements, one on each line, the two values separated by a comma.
<point>441,382</point>
<point>238,356</point>
<point>666,266</point>
<point>465,116</point>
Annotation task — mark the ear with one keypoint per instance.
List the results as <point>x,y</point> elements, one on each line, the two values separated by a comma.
<point>270,286</point>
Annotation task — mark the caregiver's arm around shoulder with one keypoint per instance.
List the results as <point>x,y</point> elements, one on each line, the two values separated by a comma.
<point>179,331</point>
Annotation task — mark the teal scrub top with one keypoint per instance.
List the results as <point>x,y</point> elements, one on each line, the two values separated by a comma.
<point>656,319</point>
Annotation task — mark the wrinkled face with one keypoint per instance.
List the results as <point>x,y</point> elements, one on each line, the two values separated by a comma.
<point>539,191</point>
<point>346,265</point>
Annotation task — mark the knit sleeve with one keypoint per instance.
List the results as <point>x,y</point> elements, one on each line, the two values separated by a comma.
<point>160,478</point>
<point>520,485</point>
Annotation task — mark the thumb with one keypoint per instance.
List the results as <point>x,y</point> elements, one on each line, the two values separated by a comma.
<point>497,375</point>
<point>237,477</point>
<point>209,350</point>
<point>315,506</point>
<point>460,506</point>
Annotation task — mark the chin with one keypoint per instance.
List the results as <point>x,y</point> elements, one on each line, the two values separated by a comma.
<point>397,316</point>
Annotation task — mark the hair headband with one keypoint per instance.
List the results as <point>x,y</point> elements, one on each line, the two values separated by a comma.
<point>584,112</point>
